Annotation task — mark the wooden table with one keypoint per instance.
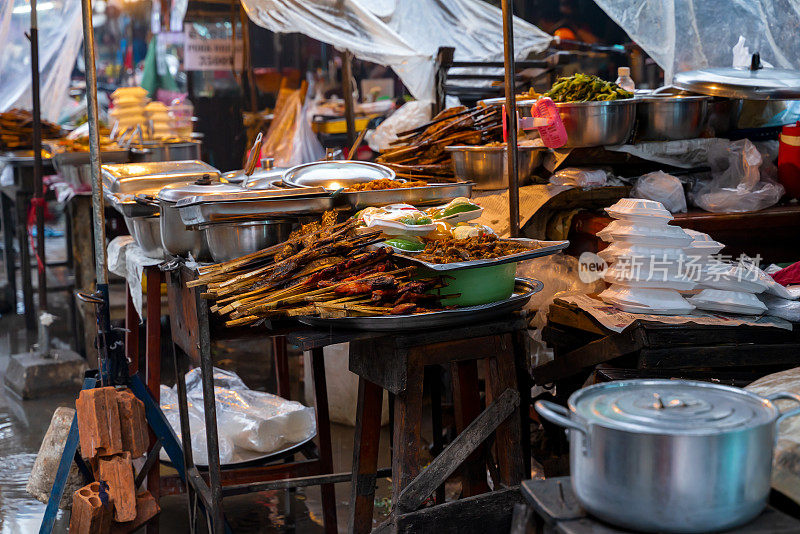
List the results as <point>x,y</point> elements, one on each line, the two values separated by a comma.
<point>774,233</point>
<point>580,343</point>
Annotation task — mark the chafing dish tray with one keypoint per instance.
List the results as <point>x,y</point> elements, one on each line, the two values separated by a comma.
<point>254,205</point>
<point>523,291</point>
<point>539,249</point>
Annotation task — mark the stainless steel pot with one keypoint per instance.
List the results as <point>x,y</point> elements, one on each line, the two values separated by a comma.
<point>227,241</point>
<point>146,231</point>
<point>598,123</point>
<point>670,455</point>
<point>723,115</point>
<point>671,117</point>
<point>486,165</point>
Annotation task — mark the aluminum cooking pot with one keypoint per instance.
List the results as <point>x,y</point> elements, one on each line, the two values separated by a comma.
<point>670,455</point>
<point>671,117</point>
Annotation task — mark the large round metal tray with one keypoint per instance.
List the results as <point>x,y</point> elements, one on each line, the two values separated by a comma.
<point>544,248</point>
<point>250,458</point>
<point>524,290</point>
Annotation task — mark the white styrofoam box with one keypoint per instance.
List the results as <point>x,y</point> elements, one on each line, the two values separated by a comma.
<point>728,302</point>
<point>639,209</point>
<point>636,233</point>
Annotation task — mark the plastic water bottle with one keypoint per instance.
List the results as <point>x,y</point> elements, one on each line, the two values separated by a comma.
<point>624,79</point>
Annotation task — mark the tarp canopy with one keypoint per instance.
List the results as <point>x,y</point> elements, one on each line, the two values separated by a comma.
<point>402,34</point>
<point>60,37</point>
<point>683,35</point>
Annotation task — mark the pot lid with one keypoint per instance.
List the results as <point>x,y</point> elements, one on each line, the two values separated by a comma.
<point>671,407</point>
<point>333,175</point>
<point>754,83</point>
<point>203,187</point>
<point>133,178</point>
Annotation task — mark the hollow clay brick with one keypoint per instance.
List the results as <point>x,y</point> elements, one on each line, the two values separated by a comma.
<point>117,472</point>
<point>98,422</point>
<point>146,509</point>
<point>89,514</point>
<point>132,423</point>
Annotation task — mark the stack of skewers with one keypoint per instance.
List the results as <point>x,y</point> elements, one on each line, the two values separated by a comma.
<point>420,153</point>
<point>323,269</point>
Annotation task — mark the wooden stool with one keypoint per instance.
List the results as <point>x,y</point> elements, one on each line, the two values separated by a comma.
<point>396,363</point>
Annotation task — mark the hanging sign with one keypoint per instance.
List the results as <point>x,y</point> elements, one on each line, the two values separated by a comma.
<point>201,53</point>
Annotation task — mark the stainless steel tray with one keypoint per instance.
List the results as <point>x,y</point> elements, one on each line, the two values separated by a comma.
<point>547,248</point>
<point>150,177</point>
<point>417,196</point>
<point>23,158</point>
<point>523,292</point>
<point>84,158</point>
<point>253,205</point>
<point>128,207</point>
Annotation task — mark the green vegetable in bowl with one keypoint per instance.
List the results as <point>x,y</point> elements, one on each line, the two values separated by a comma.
<point>413,220</point>
<point>456,206</point>
<point>586,88</point>
<point>406,243</point>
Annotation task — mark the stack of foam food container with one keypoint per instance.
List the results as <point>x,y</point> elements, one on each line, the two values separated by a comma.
<point>725,287</point>
<point>646,254</point>
<point>128,110</point>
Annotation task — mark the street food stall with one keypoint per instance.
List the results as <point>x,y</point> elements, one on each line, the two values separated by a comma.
<point>501,271</point>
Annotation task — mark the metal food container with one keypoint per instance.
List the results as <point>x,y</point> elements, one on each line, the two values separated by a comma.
<point>76,169</point>
<point>486,165</point>
<point>230,240</point>
<point>154,151</point>
<point>146,231</point>
<point>671,117</point>
<point>263,178</point>
<point>337,175</point>
<point>670,455</point>
<point>598,123</point>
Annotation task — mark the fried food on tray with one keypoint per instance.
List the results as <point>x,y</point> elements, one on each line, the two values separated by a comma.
<point>385,183</point>
<point>586,88</point>
<point>16,129</point>
<point>483,247</point>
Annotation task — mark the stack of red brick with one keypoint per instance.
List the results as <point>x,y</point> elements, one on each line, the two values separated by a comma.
<point>113,432</point>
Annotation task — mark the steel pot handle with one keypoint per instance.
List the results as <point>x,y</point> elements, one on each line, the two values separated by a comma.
<point>559,415</point>
<point>787,396</point>
<point>147,200</point>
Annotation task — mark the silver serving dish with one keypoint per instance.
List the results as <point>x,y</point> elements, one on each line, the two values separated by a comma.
<point>250,205</point>
<point>76,168</point>
<point>671,117</point>
<point>431,194</point>
<point>155,151</point>
<point>524,290</point>
<point>545,248</point>
<point>486,165</point>
<point>336,174</point>
<point>146,231</point>
<point>753,83</point>
<point>230,240</point>
<point>598,123</point>
<point>265,177</point>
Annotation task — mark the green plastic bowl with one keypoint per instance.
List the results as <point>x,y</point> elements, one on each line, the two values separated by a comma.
<point>479,285</point>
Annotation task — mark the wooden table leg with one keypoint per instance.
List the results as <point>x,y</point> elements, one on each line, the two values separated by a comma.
<point>281,359</point>
<point>524,384</point>
<point>467,406</point>
<point>407,422</point>
<point>435,387</point>
<point>365,457</point>
<point>153,368</point>
<point>324,434</point>
<point>502,376</point>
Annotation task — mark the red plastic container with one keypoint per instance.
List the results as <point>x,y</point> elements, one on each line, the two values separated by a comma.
<point>789,160</point>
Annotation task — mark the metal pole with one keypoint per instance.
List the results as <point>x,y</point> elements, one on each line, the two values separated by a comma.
<point>38,186</point>
<point>349,105</point>
<point>511,117</point>
<point>98,219</point>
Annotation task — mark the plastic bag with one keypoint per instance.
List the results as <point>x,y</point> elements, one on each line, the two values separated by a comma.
<point>586,178</point>
<point>663,188</point>
<point>737,184</point>
<point>408,116</point>
<point>247,419</point>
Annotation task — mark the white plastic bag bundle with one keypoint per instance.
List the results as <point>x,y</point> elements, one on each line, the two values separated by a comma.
<point>574,177</point>
<point>737,184</point>
<point>246,419</point>
<point>408,116</point>
<point>661,187</point>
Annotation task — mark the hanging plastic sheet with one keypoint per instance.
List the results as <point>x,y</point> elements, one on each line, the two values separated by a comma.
<point>404,35</point>
<point>683,35</point>
<point>60,37</point>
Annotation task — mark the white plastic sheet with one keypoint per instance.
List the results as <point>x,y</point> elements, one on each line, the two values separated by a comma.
<point>60,37</point>
<point>404,35</point>
<point>683,35</point>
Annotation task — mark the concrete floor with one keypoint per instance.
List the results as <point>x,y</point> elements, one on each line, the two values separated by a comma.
<point>23,423</point>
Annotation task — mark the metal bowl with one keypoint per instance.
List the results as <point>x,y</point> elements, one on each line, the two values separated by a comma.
<point>598,123</point>
<point>723,115</point>
<point>671,117</point>
<point>146,231</point>
<point>486,165</point>
<point>227,241</point>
